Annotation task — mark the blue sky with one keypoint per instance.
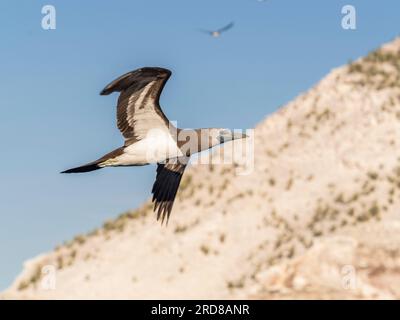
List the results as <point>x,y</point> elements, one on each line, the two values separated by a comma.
<point>52,116</point>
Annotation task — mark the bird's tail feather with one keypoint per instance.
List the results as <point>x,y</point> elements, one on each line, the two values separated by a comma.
<point>104,161</point>
<point>85,168</point>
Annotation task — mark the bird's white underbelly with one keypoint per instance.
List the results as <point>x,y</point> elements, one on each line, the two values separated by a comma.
<point>155,147</point>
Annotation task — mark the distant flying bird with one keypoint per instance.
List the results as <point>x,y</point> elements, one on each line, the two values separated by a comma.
<point>151,138</point>
<point>217,33</point>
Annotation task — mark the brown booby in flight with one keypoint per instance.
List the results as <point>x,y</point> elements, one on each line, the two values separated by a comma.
<point>151,138</point>
<point>217,33</point>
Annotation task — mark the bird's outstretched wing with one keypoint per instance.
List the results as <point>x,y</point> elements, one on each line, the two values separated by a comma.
<point>226,28</point>
<point>138,109</point>
<point>165,187</point>
<point>209,32</point>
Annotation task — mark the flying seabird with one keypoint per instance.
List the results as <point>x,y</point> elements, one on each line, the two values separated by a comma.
<point>217,33</point>
<point>151,138</point>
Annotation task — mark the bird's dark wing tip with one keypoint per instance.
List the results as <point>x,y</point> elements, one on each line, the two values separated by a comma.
<point>142,75</point>
<point>67,171</point>
<point>104,92</point>
<point>165,189</point>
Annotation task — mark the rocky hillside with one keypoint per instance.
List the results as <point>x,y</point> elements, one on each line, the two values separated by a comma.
<point>317,217</point>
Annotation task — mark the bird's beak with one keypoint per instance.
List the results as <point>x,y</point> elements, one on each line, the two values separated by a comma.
<point>230,136</point>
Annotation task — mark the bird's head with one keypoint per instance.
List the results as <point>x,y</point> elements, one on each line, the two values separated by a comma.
<point>225,135</point>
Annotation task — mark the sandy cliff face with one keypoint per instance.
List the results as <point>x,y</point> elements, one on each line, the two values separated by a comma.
<point>317,217</point>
